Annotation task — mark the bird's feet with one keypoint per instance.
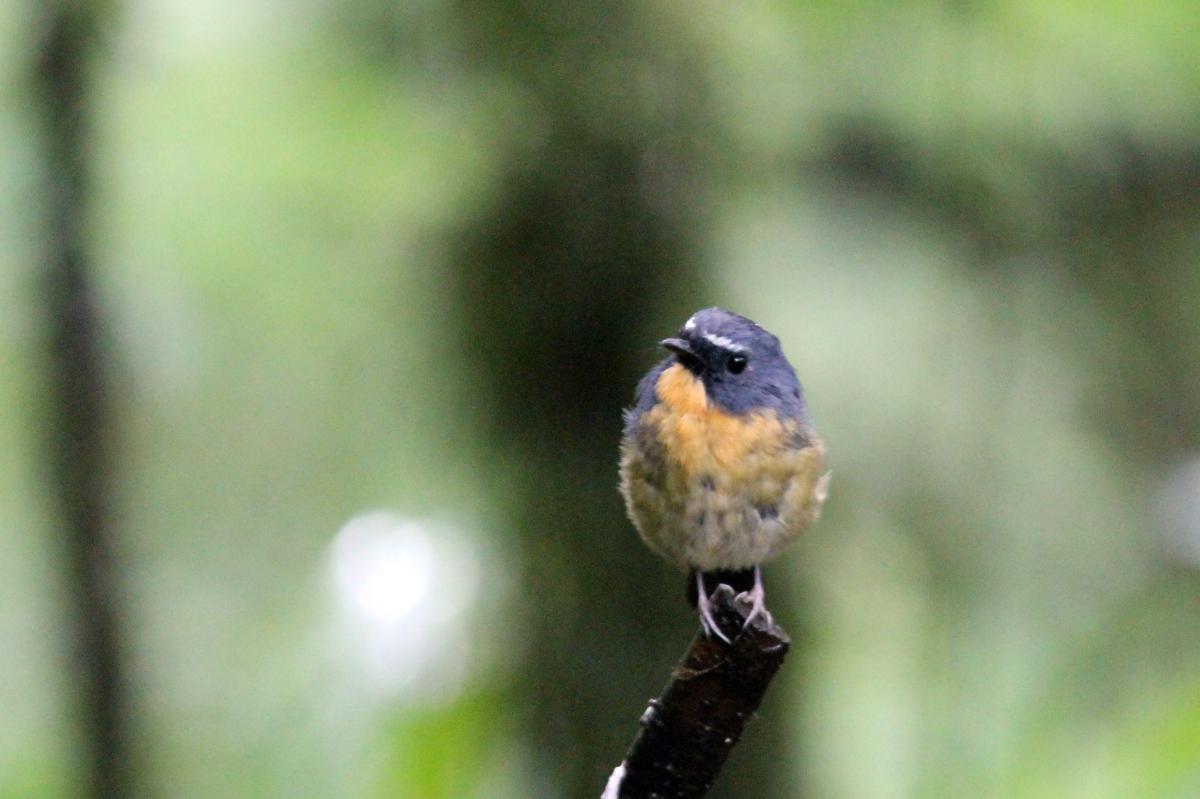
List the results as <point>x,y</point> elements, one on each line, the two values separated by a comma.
<point>707,623</point>
<point>758,598</point>
<point>758,606</point>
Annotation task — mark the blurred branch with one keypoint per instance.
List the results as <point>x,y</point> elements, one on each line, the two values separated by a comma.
<point>687,733</point>
<point>77,402</point>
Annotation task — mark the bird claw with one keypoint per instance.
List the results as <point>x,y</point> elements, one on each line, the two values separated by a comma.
<point>707,623</point>
<point>758,607</point>
<point>758,597</point>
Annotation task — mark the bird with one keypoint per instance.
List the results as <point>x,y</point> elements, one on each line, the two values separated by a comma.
<point>720,466</point>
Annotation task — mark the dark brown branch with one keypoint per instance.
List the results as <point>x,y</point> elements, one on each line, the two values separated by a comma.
<point>689,731</point>
<point>77,397</point>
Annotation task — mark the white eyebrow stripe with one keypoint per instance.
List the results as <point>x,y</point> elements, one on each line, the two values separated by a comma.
<point>690,324</point>
<point>723,343</point>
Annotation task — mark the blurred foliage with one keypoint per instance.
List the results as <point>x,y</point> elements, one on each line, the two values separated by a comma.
<point>333,239</point>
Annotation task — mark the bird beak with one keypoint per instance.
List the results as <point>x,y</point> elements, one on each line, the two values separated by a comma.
<point>684,352</point>
<point>679,346</point>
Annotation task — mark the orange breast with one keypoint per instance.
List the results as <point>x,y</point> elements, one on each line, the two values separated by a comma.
<point>723,490</point>
<point>700,437</point>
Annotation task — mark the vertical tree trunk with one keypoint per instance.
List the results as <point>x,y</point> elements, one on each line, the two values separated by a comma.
<point>588,255</point>
<point>556,286</point>
<point>76,405</point>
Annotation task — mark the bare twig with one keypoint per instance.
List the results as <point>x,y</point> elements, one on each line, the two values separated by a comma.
<point>689,731</point>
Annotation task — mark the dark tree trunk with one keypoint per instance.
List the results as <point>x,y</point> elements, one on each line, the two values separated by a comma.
<point>565,282</point>
<point>77,400</point>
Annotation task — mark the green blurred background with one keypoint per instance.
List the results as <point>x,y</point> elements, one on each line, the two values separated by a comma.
<point>374,281</point>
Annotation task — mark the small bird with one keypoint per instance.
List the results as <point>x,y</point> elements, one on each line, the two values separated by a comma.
<point>720,465</point>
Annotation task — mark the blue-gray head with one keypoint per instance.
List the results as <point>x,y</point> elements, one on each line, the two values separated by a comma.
<point>741,364</point>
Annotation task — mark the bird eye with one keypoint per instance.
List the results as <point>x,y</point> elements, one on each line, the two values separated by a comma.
<point>736,364</point>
